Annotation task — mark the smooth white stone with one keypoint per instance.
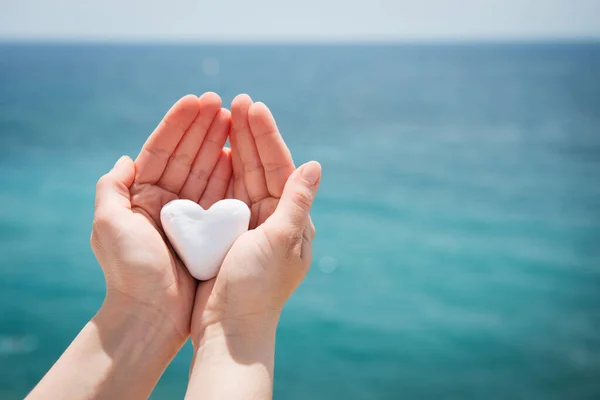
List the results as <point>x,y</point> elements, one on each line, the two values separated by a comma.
<point>201,237</point>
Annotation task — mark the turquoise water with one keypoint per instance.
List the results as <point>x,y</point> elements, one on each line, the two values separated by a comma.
<point>458,250</point>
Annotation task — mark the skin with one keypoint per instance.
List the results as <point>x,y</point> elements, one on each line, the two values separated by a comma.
<point>152,303</point>
<point>236,314</point>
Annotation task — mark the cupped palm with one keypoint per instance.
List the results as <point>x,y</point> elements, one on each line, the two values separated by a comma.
<point>183,158</point>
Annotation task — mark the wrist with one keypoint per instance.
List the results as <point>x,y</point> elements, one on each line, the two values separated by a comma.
<point>247,339</point>
<point>253,328</point>
<point>234,351</point>
<point>118,354</point>
<point>135,321</point>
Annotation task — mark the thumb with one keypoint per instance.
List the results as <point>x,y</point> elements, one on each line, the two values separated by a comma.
<point>298,195</point>
<point>112,190</point>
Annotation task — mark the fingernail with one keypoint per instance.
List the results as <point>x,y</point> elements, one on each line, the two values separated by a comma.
<point>311,172</point>
<point>120,161</point>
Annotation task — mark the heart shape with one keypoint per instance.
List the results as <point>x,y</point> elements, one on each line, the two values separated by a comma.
<point>201,237</point>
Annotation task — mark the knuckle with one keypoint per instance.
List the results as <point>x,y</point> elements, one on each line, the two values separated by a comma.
<point>103,221</point>
<point>309,233</point>
<point>200,174</point>
<point>103,183</point>
<point>287,238</point>
<point>290,256</point>
<point>105,232</point>
<point>252,167</point>
<point>303,198</point>
<point>182,159</point>
<point>312,230</point>
<point>294,251</point>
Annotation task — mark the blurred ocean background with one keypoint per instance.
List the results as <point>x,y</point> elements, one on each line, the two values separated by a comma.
<point>458,245</point>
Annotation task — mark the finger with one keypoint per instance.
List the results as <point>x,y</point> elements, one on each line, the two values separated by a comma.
<point>238,186</point>
<point>275,156</point>
<point>207,157</point>
<point>112,190</point>
<point>180,162</point>
<point>229,194</point>
<point>297,198</point>
<point>219,181</point>
<point>242,142</point>
<point>152,160</point>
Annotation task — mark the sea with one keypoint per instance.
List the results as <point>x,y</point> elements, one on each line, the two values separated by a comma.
<point>458,220</point>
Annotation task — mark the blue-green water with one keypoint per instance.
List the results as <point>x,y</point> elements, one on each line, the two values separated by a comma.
<point>458,250</point>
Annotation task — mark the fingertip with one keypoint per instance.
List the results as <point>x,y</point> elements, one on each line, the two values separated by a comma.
<point>222,116</point>
<point>225,157</point>
<point>311,172</point>
<point>261,120</point>
<point>240,100</point>
<point>225,115</point>
<point>124,162</point>
<point>210,99</point>
<point>239,111</point>
<point>188,98</point>
<point>259,110</point>
<point>187,102</point>
<point>183,112</point>
<point>120,161</point>
<point>124,170</point>
<point>224,161</point>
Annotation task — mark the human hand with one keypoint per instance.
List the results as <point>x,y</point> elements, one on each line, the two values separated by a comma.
<point>267,263</point>
<point>124,349</point>
<point>183,158</point>
<point>236,314</point>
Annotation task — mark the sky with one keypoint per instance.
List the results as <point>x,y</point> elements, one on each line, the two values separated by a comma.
<point>304,20</point>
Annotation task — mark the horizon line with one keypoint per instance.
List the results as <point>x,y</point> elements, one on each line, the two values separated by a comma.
<point>301,41</point>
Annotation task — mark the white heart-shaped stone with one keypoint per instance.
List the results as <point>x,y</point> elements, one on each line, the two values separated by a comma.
<point>201,237</point>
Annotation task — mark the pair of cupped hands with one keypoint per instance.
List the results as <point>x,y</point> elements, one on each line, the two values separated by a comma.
<point>186,158</point>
